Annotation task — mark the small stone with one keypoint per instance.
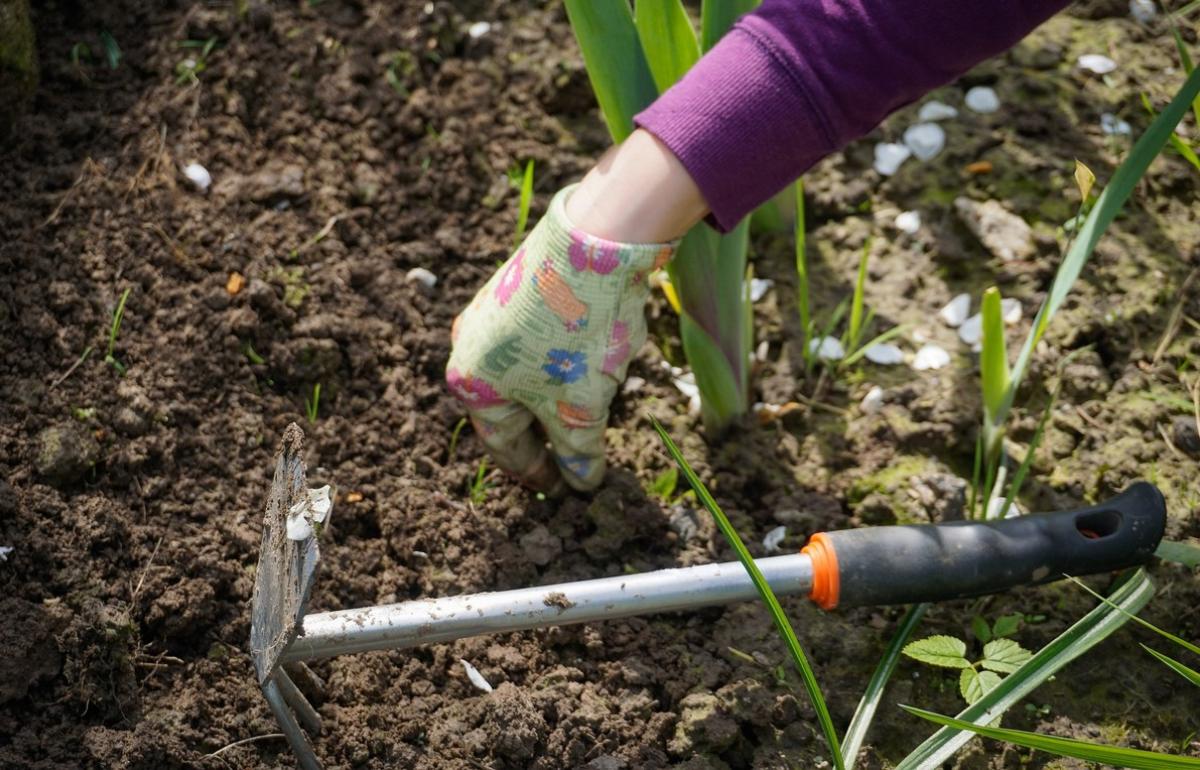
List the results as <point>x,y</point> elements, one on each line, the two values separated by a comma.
<point>908,222</point>
<point>65,453</point>
<point>885,354</point>
<point>128,422</point>
<point>1094,62</point>
<point>936,110</point>
<point>633,384</point>
<point>198,175</point>
<point>971,331</point>
<point>827,348</point>
<point>873,401</point>
<point>1185,435</point>
<point>956,310</point>
<point>1143,11</point>
<point>930,357</point>
<point>982,99</point>
<point>1002,232</point>
<point>889,156</point>
<point>1111,125</point>
<point>773,538</point>
<point>925,140</point>
<point>421,276</point>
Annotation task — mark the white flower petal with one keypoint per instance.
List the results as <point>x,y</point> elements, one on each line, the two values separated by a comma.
<point>759,288</point>
<point>956,310</point>
<point>827,348</point>
<point>422,276</point>
<point>1114,126</point>
<point>873,401</point>
<point>5,550</point>
<point>925,140</point>
<point>930,357</point>
<point>971,331</point>
<point>1143,11</point>
<point>479,29</point>
<point>982,99</point>
<point>1010,310</point>
<point>475,677</point>
<point>936,110</point>
<point>889,156</point>
<point>908,221</point>
<point>1098,63</point>
<point>633,384</point>
<point>884,353</point>
<point>773,538</point>
<point>198,175</point>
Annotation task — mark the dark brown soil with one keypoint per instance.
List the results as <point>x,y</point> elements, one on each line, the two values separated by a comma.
<point>350,141</point>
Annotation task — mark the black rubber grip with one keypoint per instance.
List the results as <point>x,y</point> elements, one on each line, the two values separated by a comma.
<point>936,562</point>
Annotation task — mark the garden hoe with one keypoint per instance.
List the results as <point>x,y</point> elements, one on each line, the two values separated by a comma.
<point>848,568</point>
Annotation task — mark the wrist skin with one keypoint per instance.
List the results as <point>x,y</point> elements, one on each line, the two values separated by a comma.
<point>638,192</point>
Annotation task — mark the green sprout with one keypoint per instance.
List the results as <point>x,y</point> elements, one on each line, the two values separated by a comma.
<point>523,205</point>
<point>454,435</point>
<point>312,405</point>
<point>112,51</point>
<point>188,70</point>
<point>114,329</point>
<point>477,490</point>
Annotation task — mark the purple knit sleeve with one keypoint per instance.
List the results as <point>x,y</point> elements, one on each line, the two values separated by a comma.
<point>796,80</point>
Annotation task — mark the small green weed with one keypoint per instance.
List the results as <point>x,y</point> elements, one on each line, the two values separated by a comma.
<point>112,51</point>
<point>313,405</point>
<point>188,70</point>
<point>526,182</point>
<point>458,427</point>
<point>663,486</point>
<point>1000,656</point>
<point>114,329</point>
<point>477,490</point>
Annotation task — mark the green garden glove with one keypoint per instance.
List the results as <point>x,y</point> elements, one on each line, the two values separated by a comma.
<point>549,338</point>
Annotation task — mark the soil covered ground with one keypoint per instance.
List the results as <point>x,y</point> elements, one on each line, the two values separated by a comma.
<point>350,141</point>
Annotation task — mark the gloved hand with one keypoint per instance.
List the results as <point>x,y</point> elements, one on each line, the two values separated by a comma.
<point>549,338</point>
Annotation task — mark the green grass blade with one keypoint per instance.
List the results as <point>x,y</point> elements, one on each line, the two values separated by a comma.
<point>1187,554</point>
<point>993,361</point>
<point>1014,487</point>
<point>856,304</point>
<point>1177,144</point>
<point>717,16</point>
<point>878,339</point>
<point>1067,747</point>
<point>523,205</point>
<point>1093,628</point>
<point>860,724</point>
<point>667,38</point>
<point>1185,59</point>
<point>1189,674</point>
<point>1102,214</point>
<point>764,591</point>
<point>1144,623</point>
<point>802,287</point>
<point>615,62</point>
<point>117,317</point>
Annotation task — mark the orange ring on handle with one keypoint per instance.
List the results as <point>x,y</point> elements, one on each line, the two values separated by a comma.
<point>825,584</point>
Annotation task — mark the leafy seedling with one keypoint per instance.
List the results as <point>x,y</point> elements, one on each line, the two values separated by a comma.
<point>112,51</point>
<point>1000,656</point>
<point>663,486</point>
<point>477,492</point>
<point>188,70</point>
<point>454,435</point>
<point>312,405</point>
<point>401,66</point>
<point>114,329</point>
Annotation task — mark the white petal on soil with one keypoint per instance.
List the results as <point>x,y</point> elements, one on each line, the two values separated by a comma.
<point>884,353</point>
<point>956,310</point>
<point>925,140</point>
<point>971,331</point>
<point>908,221</point>
<point>475,677</point>
<point>762,351</point>
<point>5,550</point>
<point>198,175</point>
<point>997,503</point>
<point>687,386</point>
<point>1094,62</point>
<point>889,156</point>
<point>873,401</point>
<point>633,384</point>
<point>930,357</point>
<point>759,288</point>
<point>421,276</point>
<point>773,538</point>
<point>982,99</point>
<point>1010,310</point>
<point>479,29</point>
<point>1142,11</point>
<point>936,110</point>
<point>827,348</point>
<point>1114,126</point>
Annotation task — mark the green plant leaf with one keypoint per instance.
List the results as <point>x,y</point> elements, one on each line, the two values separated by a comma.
<point>1185,644</point>
<point>993,368</point>
<point>973,684</point>
<point>1111,200</point>
<point>1006,625</point>
<point>523,205</point>
<point>615,62</point>
<point>856,303</point>
<point>786,632</point>
<point>945,651</point>
<point>664,484</point>
<point>802,289</point>
<point>878,339</point>
<point>667,38</point>
<point>1093,628</point>
<point>1066,747</point>
<point>1004,655</point>
<point>1187,673</point>
<point>717,16</point>
<point>1187,554</point>
<point>860,723</point>
<point>979,627</point>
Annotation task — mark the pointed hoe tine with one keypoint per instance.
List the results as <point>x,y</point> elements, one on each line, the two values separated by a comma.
<point>307,715</point>
<point>291,729</point>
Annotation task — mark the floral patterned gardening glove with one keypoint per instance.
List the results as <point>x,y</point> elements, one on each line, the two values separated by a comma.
<point>549,339</point>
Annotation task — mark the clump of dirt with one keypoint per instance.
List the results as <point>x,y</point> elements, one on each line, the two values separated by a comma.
<point>350,142</point>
